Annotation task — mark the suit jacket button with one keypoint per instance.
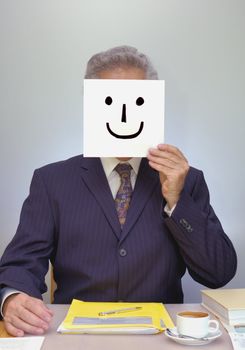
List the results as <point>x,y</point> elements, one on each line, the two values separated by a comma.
<point>122,252</point>
<point>184,223</point>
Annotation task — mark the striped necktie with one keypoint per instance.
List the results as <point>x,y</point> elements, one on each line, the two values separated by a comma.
<point>124,193</point>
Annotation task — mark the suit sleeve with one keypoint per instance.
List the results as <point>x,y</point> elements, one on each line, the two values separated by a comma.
<point>24,263</point>
<point>206,250</point>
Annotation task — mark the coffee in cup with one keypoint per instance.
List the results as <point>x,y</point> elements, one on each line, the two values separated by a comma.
<point>195,324</point>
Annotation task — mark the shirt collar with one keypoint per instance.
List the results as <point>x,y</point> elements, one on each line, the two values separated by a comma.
<point>110,163</point>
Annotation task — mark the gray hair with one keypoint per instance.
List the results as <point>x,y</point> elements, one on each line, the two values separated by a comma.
<point>120,56</point>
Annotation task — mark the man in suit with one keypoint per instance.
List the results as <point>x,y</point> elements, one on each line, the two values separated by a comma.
<point>70,218</point>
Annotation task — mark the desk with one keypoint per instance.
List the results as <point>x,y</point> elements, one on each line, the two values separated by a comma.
<point>123,342</point>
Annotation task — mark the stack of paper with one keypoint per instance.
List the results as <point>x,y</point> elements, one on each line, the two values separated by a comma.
<point>227,304</point>
<point>116,318</point>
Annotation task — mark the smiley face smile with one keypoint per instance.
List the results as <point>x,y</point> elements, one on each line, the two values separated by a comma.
<point>130,136</point>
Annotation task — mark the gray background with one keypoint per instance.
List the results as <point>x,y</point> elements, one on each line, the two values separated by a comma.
<point>197,46</point>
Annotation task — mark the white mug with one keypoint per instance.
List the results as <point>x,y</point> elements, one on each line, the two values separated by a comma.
<point>195,324</point>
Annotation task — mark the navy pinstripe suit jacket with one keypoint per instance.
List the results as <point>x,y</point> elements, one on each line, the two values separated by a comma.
<point>70,218</point>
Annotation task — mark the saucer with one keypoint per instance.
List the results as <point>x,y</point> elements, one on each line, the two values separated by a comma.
<point>188,341</point>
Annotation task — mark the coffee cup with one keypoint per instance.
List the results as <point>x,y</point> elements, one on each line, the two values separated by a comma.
<point>195,324</point>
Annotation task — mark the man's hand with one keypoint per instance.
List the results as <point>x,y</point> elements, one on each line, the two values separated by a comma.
<point>24,314</point>
<point>172,167</point>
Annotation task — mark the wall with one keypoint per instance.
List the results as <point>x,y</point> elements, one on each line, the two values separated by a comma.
<point>197,47</point>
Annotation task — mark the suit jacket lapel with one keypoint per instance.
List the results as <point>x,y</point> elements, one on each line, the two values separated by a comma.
<point>147,180</point>
<point>94,176</point>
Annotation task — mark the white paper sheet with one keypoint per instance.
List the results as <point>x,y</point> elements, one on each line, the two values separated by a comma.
<point>25,343</point>
<point>237,335</point>
<point>122,118</point>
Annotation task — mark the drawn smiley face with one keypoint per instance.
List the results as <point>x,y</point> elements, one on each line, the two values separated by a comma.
<point>122,117</point>
<point>139,102</point>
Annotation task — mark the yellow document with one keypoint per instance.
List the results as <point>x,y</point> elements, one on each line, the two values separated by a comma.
<point>115,318</point>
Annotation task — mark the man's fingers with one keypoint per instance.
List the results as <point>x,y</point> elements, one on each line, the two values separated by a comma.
<point>155,152</point>
<point>37,307</point>
<point>31,318</point>
<point>166,170</point>
<point>15,305</point>
<point>12,330</point>
<point>163,161</point>
<point>166,165</point>
<point>25,314</point>
<point>19,324</point>
<point>166,158</point>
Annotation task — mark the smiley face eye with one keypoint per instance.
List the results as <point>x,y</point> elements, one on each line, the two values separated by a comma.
<point>108,100</point>
<point>140,101</point>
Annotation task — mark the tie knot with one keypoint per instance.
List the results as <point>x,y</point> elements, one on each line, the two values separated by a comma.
<point>123,169</point>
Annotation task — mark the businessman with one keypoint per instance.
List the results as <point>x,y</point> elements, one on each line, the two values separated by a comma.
<point>114,229</point>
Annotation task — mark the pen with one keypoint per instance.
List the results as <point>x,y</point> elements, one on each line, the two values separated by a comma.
<point>119,311</point>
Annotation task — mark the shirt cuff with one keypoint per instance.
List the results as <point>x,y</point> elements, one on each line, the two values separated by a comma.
<point>168,211</point>
<point>5,293</point>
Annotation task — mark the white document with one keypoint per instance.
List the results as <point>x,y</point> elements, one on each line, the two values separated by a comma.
<point>238,340</point>
<point>122,118</point>
<point>237,335</point>
<point>25,343</point>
